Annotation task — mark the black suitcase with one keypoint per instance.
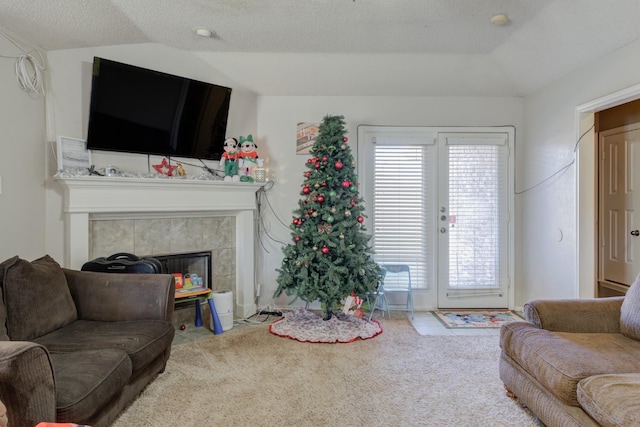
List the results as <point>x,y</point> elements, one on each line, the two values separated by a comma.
<point>124,263</point>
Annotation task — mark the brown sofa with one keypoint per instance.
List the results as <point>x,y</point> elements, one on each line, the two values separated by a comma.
<point>576,362</point>
<point>78,346</point>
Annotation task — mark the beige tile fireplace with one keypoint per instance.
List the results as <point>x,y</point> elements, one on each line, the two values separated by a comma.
<point>105,215</point>
<point>144,236</point>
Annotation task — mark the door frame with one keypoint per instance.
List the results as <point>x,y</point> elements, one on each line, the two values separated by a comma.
<point>587,188</point>
<point>427,299</point>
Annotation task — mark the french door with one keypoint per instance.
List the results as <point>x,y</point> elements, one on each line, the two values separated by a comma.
<point>440,202</point>
<point>473,221</point>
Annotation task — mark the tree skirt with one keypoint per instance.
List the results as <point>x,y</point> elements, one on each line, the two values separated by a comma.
<point>306,326</point>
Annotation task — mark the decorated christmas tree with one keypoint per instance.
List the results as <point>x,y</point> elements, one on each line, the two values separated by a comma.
<point>330,257</point>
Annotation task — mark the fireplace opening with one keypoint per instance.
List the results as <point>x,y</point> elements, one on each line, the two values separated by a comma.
<point>188,264</point>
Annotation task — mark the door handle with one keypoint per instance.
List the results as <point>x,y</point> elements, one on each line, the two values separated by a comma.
<point>635,233</point>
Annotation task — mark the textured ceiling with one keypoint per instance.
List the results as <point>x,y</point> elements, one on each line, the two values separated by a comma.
<point>350,47</point>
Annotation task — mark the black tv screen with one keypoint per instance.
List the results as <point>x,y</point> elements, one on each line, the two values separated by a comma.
<point>136,110</point>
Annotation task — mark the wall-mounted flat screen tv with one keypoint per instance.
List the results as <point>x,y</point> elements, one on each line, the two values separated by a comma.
<point>136,110</point>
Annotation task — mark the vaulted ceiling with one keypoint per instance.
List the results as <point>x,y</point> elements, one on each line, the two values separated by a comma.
<point>350,47</point>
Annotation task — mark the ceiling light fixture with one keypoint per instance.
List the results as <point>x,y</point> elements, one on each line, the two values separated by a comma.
<point>499,20</point>
<point>203,32</point>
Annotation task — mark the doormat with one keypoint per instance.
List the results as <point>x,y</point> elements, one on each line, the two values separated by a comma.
<point>307,326</point>
<point>476,319</point>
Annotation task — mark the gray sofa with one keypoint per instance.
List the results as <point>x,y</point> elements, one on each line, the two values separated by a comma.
<point>576,362</point>
<point>79,346</point>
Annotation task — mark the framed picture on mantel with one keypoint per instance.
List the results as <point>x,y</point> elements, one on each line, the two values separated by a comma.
<point>72,153</point>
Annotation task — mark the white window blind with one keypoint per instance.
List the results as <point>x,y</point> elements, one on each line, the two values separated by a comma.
<point>477,205</point>
<point>401,217</point>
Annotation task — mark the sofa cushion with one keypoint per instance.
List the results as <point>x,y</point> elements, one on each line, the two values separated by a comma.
<point>36,297</point>
<point>88,380</point>
<point>611,400</point>
<point>630,311</point>
<point>559,360</point>
<point>142,340</point>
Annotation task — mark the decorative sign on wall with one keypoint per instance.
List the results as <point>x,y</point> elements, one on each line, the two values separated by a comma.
<point>305,137</point>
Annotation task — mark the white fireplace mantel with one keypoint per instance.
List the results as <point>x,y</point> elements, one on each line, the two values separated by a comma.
<point>85,196</point>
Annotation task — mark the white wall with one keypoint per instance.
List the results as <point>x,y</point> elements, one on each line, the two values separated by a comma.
<point>549,265</point>
<point>277,119</point>
<point>546,224</point>
<point>22,154</point>
<point>70,89</point>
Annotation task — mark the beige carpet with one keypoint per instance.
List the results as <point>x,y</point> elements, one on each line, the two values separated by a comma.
<point>249,377</point>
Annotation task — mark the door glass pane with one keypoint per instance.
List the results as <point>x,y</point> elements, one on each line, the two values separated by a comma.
<point>402,208</point>
<point>474,220</point>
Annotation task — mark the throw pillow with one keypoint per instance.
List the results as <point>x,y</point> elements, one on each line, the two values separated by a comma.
<point>630,312</point>
<point>36,297</point>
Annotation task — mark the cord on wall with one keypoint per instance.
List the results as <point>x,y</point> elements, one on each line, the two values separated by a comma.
<point>562,169</point>
<point>29,69</point>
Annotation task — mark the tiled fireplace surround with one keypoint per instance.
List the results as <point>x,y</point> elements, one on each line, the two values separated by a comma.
<point>144,216</point>
<point>172,235</point>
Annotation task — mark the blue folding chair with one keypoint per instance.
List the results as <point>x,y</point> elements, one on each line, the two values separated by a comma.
<point>397,280</point>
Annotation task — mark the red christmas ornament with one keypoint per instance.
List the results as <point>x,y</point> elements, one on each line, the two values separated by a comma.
<point>297,238</point>
<point>345,139</point>
<point>324,158</point>
<point>307,174</point>
<point>360,219</point>
<point>309,160</point>
<point>339,164</point>
<point>183,327</point>
<point>320,199</point>
<point>317,165</point>
<point>324,184</point>
<point>353,203</point>
<point>306,190</point>
<point>345,184</point>
<point>325,250</point>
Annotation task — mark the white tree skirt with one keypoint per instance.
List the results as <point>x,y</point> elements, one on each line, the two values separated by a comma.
<point>307,326</point>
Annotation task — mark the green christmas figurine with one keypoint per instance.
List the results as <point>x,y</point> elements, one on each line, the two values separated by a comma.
<point>330,256</point>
